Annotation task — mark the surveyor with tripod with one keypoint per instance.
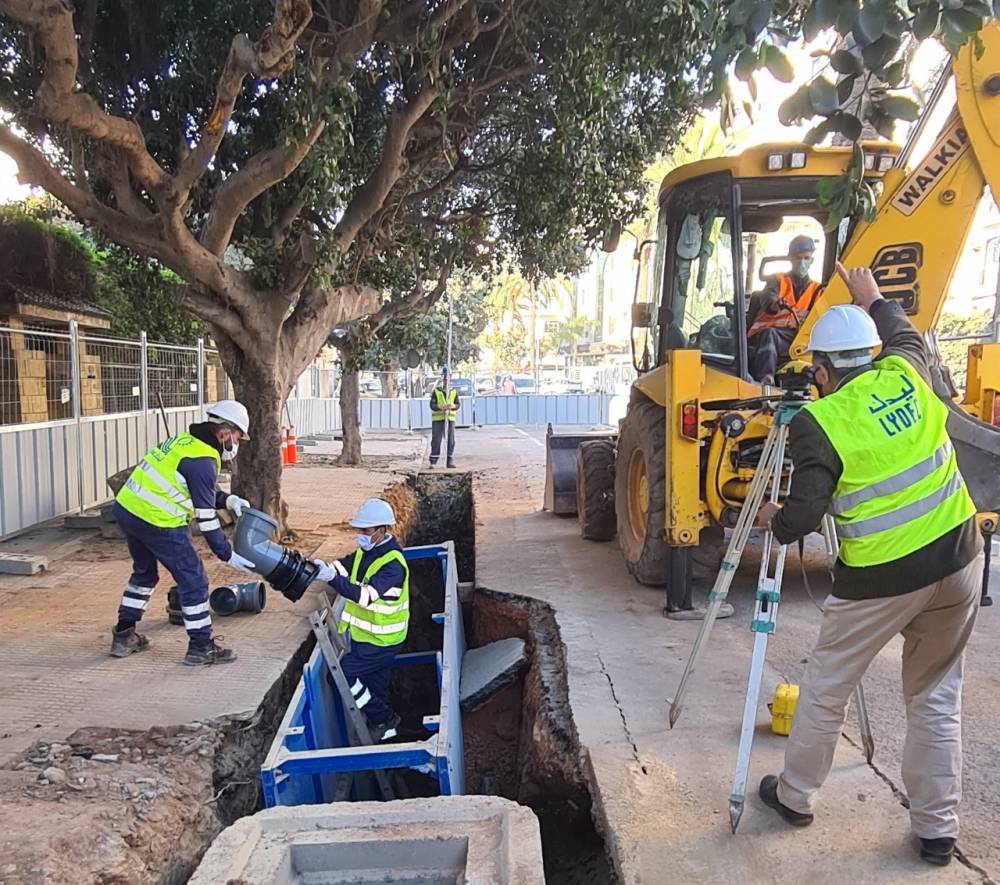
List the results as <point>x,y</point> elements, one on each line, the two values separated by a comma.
<point>874,452</point>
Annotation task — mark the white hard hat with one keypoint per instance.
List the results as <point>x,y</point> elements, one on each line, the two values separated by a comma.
<point>228,411</point>
<point>844,327</point>
<point>374,512</point>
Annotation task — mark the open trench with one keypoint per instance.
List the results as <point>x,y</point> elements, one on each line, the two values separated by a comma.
<point>163,795</point>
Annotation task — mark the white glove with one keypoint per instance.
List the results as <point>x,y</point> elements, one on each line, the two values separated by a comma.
<point>240,563</point>
<point>236,504</point>
<point>325,573</point>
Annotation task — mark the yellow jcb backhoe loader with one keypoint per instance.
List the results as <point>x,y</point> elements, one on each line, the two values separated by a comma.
<point>676,473</point>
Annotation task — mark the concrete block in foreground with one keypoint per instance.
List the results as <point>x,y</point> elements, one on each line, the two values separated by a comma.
<point>84,521</point>
<point>477,840</point>
<point>21,564</point>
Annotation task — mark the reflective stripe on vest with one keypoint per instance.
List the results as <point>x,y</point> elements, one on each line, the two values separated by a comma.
<point>379,621</point>
<point>155,491</point>
<point>900,488</point>
<point>440,401</point>
<point>786,319</point>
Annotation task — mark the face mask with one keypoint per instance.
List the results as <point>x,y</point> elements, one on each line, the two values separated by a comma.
<point>801,267</point>
<point>365,542</point>
<point>230,454</point>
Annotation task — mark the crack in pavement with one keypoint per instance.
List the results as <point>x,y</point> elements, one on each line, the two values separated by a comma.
<point>621,711</point>
<point>904,800</point>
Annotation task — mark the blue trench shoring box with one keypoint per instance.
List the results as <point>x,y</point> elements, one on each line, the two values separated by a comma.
<point>310,760</point>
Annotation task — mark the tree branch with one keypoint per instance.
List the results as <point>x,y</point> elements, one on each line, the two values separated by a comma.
<point>268,58</point>
<point>260,172</point>
<point>56,98</point>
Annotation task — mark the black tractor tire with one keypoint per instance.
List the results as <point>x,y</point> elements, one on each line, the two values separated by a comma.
<point>595,489</point>
<point>643,546</point>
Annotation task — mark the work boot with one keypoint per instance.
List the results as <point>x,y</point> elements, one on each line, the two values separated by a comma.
<point>769,793</point>
<point>202,655</point>
<point>937,851</point>
<point>698,614</point>
<point>431,466</point>
<point>126,642</point>
<point>451,465</point>
<point>385,730</point>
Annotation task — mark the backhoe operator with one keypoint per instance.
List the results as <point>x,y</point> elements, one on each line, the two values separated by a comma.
<point>874,452</point>
<point>774,317</point>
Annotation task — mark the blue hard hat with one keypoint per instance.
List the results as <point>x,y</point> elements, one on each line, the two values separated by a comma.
<point>444,370</point>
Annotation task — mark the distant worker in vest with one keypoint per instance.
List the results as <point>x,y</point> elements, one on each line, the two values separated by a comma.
<point>172,484</point>
<point>444,413</point>
<point>873,451</point>
<point>375,584</point>
<point>773,319</point>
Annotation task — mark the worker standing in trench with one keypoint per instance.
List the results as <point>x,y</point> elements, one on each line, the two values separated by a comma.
<point>375,584</point>
<point>874,452</point>
<point>171,484</point>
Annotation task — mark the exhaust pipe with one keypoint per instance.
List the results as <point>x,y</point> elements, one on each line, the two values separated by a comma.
<point>286,570</point>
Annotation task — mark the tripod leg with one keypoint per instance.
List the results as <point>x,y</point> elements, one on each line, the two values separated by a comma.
<point>864,724</point>
<point>730,562</point>
<point>738,796</point>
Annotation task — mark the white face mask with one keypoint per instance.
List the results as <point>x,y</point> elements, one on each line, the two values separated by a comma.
<point>230,454</point>
<point>365,542</point>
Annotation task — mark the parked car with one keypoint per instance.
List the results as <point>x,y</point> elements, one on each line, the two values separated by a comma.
<point>561,386</point>
<point>524,383</point>
<point>463,386</point>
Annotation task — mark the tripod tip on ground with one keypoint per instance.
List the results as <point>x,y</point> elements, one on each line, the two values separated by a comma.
<point>675,712</point>
<point>869,746</point>
<point>735,813</point>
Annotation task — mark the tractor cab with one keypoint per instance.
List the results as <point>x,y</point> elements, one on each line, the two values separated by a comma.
<point>722,239</point>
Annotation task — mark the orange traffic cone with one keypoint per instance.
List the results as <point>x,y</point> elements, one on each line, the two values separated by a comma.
<point>293,452</point>
<point>284,447</point>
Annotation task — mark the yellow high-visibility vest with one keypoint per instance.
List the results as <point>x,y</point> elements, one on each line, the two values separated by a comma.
<point>382,621</point>
<point>901,487</point>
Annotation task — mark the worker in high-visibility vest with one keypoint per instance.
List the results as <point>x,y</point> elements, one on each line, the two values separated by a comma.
<point>375,584</point>
<point>444,413</point>
<point>874,452</point>
<point>775,315</point>
<point>172,484</point>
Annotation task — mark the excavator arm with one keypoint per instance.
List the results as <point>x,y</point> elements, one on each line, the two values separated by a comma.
<point>922,221</point>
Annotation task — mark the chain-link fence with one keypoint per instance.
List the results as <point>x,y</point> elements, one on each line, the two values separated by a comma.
<point>52,375</point>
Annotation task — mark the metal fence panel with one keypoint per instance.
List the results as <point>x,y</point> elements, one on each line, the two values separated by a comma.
<point>173,375</point>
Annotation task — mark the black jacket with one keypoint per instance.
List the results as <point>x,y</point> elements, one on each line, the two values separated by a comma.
<point>818,468</point>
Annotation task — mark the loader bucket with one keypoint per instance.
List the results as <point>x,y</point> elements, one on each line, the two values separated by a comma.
<point>977,448</point>
<point>560,466</point>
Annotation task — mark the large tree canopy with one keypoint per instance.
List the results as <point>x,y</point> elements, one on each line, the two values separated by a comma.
<point>270,152</point>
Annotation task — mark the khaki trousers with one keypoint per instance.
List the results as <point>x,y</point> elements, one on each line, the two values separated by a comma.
<point>936,622</point>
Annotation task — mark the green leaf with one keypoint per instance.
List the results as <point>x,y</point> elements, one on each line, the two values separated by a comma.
<point>894,73</point>
<point>901,107</point>
<point>845,88</point>
<point>978,46</point>
<point>849,126</point>
<point>847,15</point>
<point>823,96</point>
<point>812,24</point>
<point>818,133</point>
<point>779,65</point>
<point>856,171</point>
<point>871,22</point>
<point>826,12</point>
<point>845,62</point>
<point>795,107</point>
<point>880,53</point>
<point>759,18</point>
<point>746,63</point>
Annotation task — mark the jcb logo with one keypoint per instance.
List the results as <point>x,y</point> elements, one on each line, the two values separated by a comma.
<point>896,269</point>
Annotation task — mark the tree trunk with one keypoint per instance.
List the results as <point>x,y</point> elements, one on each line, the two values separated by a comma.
<point>257,469</point>
<point>350,454</point>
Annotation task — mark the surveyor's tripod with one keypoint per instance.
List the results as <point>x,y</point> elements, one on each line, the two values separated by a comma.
<point>768,479</point>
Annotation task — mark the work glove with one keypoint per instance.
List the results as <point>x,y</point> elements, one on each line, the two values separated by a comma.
<point>240,563</point>
<point>236,505</point>
<point>324,573</point>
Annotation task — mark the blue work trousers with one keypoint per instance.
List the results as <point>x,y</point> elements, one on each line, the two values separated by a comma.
<point>171,548</point>
<point>371,665</point>
<point>438,431</point>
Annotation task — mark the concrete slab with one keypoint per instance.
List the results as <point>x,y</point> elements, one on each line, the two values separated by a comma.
<point>84,521</point>
<point>663,794</point>
<point>22,564</point>
<point>477,840</point>
<point>490,668</point>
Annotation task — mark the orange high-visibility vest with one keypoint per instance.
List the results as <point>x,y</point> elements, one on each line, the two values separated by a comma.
<point>797,308</point>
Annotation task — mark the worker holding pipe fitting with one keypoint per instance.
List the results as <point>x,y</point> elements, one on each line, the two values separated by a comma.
<point>172,484</point>
<point>375,584</point>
